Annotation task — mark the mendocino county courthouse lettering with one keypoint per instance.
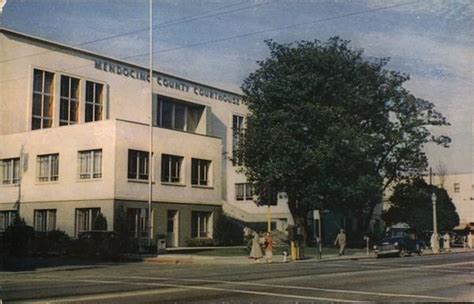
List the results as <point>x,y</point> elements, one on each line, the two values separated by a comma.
<point>166,82</point>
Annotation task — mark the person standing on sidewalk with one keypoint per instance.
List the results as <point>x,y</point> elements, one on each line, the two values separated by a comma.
<point>269,247</point>
<point>256,251</point>
<point>341,241</point>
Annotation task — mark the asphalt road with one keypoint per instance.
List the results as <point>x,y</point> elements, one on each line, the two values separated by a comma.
<point>446,277</point>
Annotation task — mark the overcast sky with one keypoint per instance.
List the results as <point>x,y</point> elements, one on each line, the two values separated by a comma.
<point>218,42</point>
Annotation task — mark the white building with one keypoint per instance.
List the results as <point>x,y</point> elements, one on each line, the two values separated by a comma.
<point>74,141</point>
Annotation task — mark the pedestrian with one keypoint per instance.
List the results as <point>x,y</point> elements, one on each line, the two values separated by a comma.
<point>256,251</point>
<point>269,247</point>
<point>446,240</point>
<point>341,240</point>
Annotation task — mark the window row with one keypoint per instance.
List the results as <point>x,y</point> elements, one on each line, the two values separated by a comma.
<point>89,167</point>
<point>69,100</point>
<point>171,168</point>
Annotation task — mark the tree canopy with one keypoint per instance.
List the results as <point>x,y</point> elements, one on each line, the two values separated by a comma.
<point>332,127</point>
<point>412,204</point>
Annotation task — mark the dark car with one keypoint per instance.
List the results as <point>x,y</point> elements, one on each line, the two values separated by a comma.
<point>399,246</point>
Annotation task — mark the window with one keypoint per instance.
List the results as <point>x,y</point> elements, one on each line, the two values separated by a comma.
<point>176,115</point>
<point>10,171</point>
<point>48,167</point>
<point>69,104</point>
<point>237,135</point>
<point>201,224</point>
<point>137,165</point>
<point>85,218</point>
<point>43,88</point>
<point>457,187</point>
<point>45,220</point>
<point>90,164</point>
<point>244,192</point>
<point>137,219</point>
<point>94,101</point>
<point>7,218</point>
<point>171,168</point>
<point>200,172</point>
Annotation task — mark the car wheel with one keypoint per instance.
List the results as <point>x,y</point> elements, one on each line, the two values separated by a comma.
<point>402,253</point>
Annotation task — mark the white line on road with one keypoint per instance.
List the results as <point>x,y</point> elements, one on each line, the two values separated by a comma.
<point>288,287</point>
<point>149,292</point>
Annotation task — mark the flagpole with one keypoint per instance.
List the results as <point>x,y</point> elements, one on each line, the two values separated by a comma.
<point>150,155</point>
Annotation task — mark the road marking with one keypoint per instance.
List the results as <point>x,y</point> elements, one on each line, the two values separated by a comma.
<point>290,287</point>
<point>121,294</point>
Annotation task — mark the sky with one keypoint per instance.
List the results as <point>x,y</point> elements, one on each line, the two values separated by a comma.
<point>219,43</point>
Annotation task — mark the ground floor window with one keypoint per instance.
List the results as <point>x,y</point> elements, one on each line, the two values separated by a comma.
<point>85,218</point>
<point>137,219</point>
<point>7,218</point>
<point>201,224</point>
<point>45,220</point>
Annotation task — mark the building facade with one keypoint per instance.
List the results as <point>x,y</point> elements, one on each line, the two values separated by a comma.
<point>75,141</point>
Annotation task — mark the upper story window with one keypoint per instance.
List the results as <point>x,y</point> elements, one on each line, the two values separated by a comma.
<point>177,115</point>
<point>200,172</point>
<point>138,165</point>
<point>69,105</point>
<point>48,167</point>
<point>171,168</point>
<point>94,101</point>
<point>43,90</point>
<point>10,171</point>
<point>457,187</point>
<point>244,191</point>
<point>90,164</point>
<point>237,134</point>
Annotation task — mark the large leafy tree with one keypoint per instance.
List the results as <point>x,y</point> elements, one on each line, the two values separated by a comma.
<point>332,128</point>
<point>411,203</point>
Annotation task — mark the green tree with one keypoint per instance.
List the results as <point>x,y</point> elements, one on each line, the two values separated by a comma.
<point>100,222</point>
<point>332,128</point>
<point>411,203</point>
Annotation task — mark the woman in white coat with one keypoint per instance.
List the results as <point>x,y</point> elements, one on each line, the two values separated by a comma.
<point>256,250</point>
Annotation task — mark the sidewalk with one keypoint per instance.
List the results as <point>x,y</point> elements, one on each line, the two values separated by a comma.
<point>277,259</point>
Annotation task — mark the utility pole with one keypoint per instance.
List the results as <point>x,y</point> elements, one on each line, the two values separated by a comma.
<point>150,153</point>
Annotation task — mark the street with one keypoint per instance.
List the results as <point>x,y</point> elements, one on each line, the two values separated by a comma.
<point>434,278</point>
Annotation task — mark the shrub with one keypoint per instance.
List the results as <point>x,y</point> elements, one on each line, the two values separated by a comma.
<point>19,240</point>
<point>54,242</point>
<point>100,222</point>
<point>229,232</point>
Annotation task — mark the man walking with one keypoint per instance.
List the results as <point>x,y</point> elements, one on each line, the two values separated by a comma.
<point>341,241</point>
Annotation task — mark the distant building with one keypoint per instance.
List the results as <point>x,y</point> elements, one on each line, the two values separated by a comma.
<point>74,141</point>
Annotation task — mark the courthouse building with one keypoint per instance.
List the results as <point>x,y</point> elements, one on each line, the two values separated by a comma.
<point>74,142</point>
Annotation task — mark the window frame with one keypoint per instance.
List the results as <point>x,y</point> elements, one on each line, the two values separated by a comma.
<point>12,166</point>
<point>168,161</point>
<point>7,218</point>
<point>247,192</point>
<point>89,214</point>
<point>50,216</point>
<point>90,174</point>
<point>70,100</point>
<point>145,165</point>
<point>42,96</point>
<point>188,110</point>
<point>199,220</point>
<point>94,102</point>
<point>50,176</point>
<point>207,170</point>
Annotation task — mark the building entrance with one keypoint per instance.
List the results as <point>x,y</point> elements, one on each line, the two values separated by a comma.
<point>172,229</point>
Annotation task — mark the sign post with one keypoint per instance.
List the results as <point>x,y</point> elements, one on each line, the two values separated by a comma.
<point>317,217</point>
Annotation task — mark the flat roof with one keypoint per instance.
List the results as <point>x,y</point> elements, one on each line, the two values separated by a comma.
<point>120,61</point>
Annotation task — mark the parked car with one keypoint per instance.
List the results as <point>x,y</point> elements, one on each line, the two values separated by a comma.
<point>399,246</point>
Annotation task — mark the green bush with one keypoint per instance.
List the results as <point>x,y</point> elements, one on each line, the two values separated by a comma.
<point>100,222</point>
<point>54,242</point>
<point>229,232</point>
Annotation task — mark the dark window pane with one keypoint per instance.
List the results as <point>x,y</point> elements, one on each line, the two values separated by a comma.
<point>194,172</point>
<point>165,168</point>
<point>179,116</point>
<point>167,114</point>
<point>98,113</point>
<point>48,82</point>
<point>36,123</point>
<point>73,108</point>
<point>194,114</point>
<point>37,104</point>
<point>89,91</point>
<point>47,123</point>
<point>63,110</point>
<point>64,86</point>
<point>38,81</point>
<point>89,112</point>
<point>132,164</point>
<point>48,106</point>
<point>98,93</point>
<point>74,88</point>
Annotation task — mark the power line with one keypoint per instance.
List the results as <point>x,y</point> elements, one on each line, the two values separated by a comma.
<point>159,26</point>
<point>274,29</point>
